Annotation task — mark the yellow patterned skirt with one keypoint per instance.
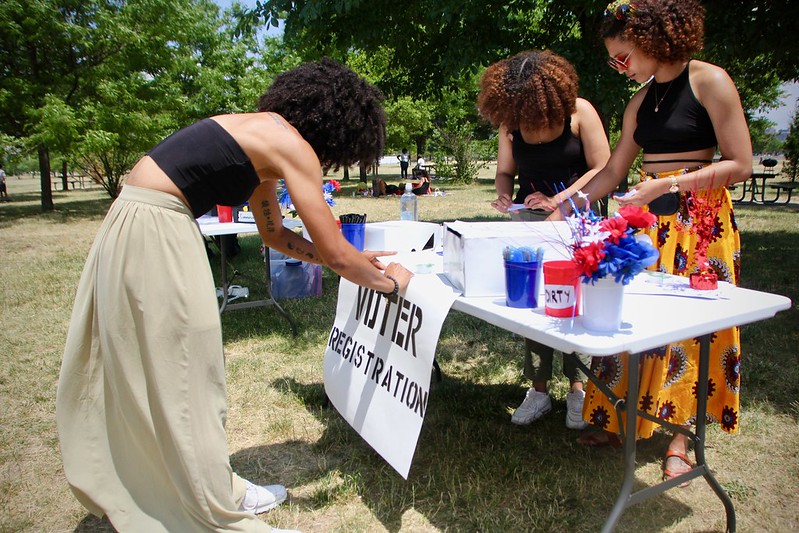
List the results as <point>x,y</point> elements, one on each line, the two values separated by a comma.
<point>668,375</point>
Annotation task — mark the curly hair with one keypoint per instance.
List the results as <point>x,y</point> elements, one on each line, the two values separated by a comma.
<point>537,88</point>
<point>667,30</point>
<point>335,110</point>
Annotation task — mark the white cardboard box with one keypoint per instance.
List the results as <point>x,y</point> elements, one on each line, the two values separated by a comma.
<point>402,236</point>
<point>473,251</point>
<point>399,236</point>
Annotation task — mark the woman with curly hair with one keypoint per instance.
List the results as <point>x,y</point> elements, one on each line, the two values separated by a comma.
<point>555,143</point>
<point>141,400</point>
<point>685,112</point>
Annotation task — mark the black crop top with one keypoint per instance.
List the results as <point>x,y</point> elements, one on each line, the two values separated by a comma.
<point>207,165</point>
<point>548,167</point>
<point>681,124</point>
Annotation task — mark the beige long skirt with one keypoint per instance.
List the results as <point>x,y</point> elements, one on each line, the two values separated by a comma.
<point>141,401</point>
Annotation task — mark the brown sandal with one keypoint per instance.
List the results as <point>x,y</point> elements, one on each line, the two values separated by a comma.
<point>597,439</point>
<point>670,474</point>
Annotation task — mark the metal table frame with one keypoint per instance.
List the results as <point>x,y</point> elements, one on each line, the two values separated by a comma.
<point>628,498</point>
<point>642,331</point>
<point>210,227</point>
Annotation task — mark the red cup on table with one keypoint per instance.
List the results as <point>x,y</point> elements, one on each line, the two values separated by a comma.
<point>562,288</point>
<point>225,213</point>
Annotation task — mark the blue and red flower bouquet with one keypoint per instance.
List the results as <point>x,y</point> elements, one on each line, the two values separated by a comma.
<point>604,247</point>
<point>328,188</point>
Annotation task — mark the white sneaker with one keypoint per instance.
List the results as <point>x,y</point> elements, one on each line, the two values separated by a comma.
<point>574,410</point>
<point>535,405</point>
<point>260,499</point>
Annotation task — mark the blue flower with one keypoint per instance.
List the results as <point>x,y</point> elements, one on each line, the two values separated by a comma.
<point>283,198</point>
<point>603,249</point>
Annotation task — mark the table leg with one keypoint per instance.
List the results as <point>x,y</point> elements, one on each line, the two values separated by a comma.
<point>623,500</point>
<point>763,190</point>
<point>270,299</point>
<point>701,423</point>
<point>627,497</point>
<point>225,285</point>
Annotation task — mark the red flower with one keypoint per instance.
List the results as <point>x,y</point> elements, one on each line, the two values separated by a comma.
<point>589,256</point>
<point>336,185</point>
<point>616,226</point>
<point>637,217</point>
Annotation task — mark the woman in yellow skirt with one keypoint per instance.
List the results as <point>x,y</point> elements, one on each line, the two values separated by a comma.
<point>686,111</point>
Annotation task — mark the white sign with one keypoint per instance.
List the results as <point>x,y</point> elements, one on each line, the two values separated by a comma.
<point>379,359</point>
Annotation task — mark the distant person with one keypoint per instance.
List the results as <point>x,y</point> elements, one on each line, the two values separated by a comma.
<point>555,143</point>
<point>3,191</point>
<point>404,160</point>
<point>420,169</point>
<point>141,401</point>
<point>421,187</point>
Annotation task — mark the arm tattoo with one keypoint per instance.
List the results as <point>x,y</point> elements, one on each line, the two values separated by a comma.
<point>278,120</point>
<point>267,211</point>
<point>308,255</point>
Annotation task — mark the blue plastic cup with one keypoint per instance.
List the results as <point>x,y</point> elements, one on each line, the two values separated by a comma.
<point>521,284</point>
<point>354,233</point>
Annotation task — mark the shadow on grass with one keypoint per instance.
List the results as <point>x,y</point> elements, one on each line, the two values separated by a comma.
<point>771,263</point>
<point>92,524</point>
<point>68,206</point>
<point>474,471</point>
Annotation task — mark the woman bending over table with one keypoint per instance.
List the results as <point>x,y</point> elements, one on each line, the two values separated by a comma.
<point>686,111</point>
<point>555,143</point>
<point>141,402</point>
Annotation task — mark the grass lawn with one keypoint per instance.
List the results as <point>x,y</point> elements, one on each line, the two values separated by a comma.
<point>473,470</point>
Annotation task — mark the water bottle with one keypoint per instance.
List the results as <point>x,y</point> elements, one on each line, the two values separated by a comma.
<point>408,204</point>
<point>292,281</point>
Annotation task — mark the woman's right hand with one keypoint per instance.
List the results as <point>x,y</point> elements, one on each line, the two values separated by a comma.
<point>502,203</point>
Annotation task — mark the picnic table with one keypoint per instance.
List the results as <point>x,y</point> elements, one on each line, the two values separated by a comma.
<point>753,188</point>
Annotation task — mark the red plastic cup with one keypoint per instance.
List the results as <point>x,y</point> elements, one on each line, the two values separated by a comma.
<point>225,213</point>
<point>562,289</point>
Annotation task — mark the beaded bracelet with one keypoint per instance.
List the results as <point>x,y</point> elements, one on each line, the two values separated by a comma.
<point>396,287</point>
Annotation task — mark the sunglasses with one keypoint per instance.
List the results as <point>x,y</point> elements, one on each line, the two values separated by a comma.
<point>619,63</point>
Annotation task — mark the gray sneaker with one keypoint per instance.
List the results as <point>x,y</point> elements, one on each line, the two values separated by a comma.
<point>535,405</point>
<point>574,410</point>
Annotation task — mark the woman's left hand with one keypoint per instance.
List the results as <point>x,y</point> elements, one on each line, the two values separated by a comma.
<point>642,193</point>
<point>372,256</point>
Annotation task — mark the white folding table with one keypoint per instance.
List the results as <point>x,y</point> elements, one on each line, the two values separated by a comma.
<point>658,309</point>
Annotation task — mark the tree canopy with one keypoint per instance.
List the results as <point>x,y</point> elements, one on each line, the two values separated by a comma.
<point>435,43</point>
<point>98,82</point>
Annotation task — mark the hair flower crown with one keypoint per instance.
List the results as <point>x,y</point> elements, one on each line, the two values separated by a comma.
<point>623,10</point>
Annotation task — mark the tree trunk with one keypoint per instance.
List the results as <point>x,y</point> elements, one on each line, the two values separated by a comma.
<point>64,184</point>
<point>44,173</point>
<point>346,174</point>
<point>364,172</point>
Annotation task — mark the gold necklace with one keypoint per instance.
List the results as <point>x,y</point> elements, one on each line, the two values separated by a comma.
<point>658,102</point>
